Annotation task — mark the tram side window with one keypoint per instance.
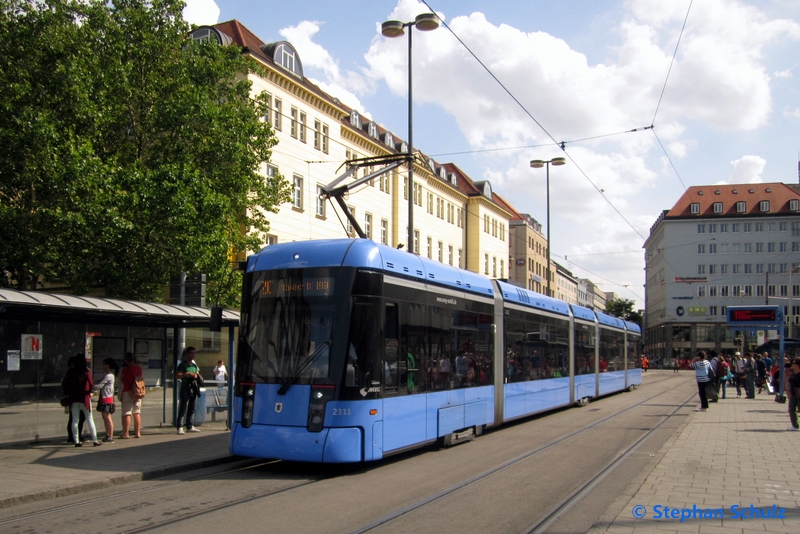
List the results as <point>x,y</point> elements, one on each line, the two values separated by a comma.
<point>611,350</point>
<point>471,350</point>
<point>413,357</point>
<point>538,347</point>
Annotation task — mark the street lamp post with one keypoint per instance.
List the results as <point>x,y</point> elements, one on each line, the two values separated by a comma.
<point>394,28</point>
<point>538,164</point>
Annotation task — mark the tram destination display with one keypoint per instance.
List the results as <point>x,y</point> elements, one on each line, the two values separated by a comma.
<point>308,287</point>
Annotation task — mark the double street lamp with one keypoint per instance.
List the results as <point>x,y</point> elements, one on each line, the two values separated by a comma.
<point>538,164</point>
<point>394,28</point>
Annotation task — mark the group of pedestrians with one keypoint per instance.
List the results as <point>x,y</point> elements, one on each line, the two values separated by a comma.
<point>78,386</point>
<point>713,373</point>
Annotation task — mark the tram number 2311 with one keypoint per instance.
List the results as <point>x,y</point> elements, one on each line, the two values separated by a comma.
<point>341,411</point>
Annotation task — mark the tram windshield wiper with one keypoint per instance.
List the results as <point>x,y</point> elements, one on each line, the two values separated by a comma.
<point>303,367</point>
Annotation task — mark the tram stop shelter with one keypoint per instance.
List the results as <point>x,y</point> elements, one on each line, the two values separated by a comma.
<point>40,331</point>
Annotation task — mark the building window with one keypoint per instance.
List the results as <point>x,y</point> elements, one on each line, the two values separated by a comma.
<point>317,135</point>
<point>302,127</point>
<point>759,248</point>
<point>430,203</point>
<point>794,205</point>
<point>372,130</point>
<point>293,122</point>
<point>717,207</point>
<point>723,291</point>
<point>486,225</point>
<point>368,225</point>
<point>759,268</point>
<point>723,228</point>
<point>701,269</point>
<point>416,241</point>
<point>748,248</point>
<point>384,231</point>
<point>771,247</point>
<point>430,247</point>
<point>701,249</point>
<point>763,205</point>
<point>494,267</point>
<point>723,269</point>
<point>355,120</point>
<point>486,264</point>
<point>735,227</point>
<point>450,254</point>
<point>297,192</point>
<point>502,268</point>
<point>270,240</point>
<point>350,229</point>
<point>759,227</point>
<point>712,228</point>
<point>278,115</point>
<point>320,203</point>
<point>712,291</point>
<point>701,291</point>
<point>747,227</point>
<point>701,228</point>
<point>441,252</point>
<point>418,194</point>
<point>460,264</point>
<point>748,268</point>
<point>741,207</point>
<point>695,208</point>
<point>712,269</point>
<point>268,112</point>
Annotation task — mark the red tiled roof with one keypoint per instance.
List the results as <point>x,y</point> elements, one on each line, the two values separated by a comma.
<point>778,195</point>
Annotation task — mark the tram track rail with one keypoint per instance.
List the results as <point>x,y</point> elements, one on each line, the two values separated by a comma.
<point>194,512</point>
<point>541,524</point>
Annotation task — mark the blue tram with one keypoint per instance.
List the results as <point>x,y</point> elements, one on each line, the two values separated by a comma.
<point>351,351</point>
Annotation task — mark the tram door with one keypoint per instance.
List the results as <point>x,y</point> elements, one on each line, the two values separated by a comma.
<point>405,352</point>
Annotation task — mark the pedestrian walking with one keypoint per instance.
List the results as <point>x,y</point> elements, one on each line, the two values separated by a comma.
<point>724,370</point>
<point>702,369</point>
<point>738,372</point>
<point>131,407</point>
<point>750,375</point>
<point>71,362</point>
<point>793,392</point>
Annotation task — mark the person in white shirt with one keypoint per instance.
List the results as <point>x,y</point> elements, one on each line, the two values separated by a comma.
<point>701,367</point>
<point>220,373</point>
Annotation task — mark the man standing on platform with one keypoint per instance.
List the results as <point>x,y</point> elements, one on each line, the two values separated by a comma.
<point>188,373</point>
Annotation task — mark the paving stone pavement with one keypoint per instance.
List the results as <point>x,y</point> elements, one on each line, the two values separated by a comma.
<point>734,469</point>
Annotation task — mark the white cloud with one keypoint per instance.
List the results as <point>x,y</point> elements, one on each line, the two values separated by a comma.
<point>783,73</point>
<point>747,170</point>
<point>201,12</point>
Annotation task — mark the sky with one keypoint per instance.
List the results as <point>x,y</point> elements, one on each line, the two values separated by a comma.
<point>709,86</point>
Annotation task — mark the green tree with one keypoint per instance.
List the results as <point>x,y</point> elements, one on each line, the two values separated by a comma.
<point>128,152</point>
<point>623,308</point>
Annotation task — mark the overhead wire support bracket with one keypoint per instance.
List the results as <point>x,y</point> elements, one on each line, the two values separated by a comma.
<point>339,192</point>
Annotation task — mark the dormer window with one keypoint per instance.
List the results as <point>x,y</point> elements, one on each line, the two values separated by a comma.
<point>751,190</point>
<point>432,165</point>
<point>717,192</point>
<point>794,205</point>
<point>453,180</point>
<point>735,191</point>
<point>700,193</point>
<point>763,205</point>
<point>442,173</point>
<point>717,207</point>
<point>768,190</point>
<point>694,208</point>
<point>388,139</point>
<point>402,147</point>
<point>355,119</point>
<point>741,207</point>
<point>372,130</point>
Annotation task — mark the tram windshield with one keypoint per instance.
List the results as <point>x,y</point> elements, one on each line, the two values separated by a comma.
<point>289,321</point>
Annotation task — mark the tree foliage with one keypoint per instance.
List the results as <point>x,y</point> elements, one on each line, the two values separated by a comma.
<point>623,308</point>
<point>128,152</point>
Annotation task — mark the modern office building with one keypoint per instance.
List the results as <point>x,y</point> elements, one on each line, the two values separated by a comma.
<point>720,246</point>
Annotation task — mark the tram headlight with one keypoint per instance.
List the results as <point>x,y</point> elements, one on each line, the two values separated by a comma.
<point>320,395</point>
<point>248,402</point>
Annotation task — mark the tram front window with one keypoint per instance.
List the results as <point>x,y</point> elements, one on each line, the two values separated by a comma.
<point>289,323</point>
